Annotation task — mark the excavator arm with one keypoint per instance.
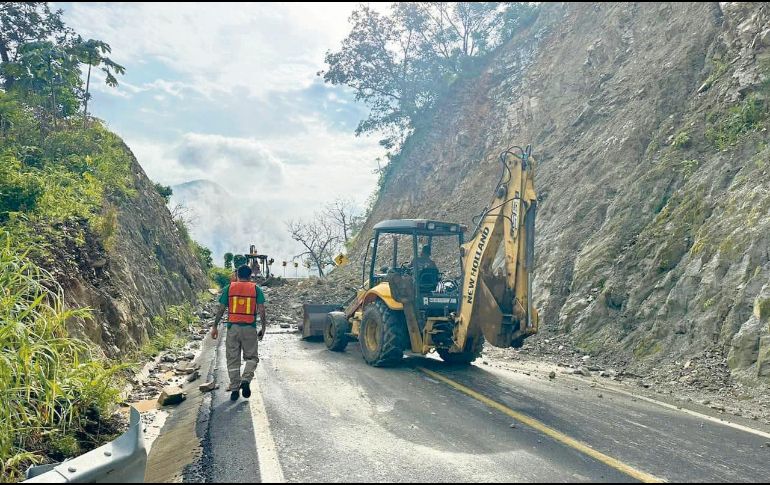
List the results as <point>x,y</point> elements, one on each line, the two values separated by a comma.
<point>498,260</point>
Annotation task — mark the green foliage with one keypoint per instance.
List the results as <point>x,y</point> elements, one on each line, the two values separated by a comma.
<point>41,61</point>
<point>239,260</point>
<point>220,276</point>
<point>401,62</point>
<point>19,190</point>
<point>106,227</point>
<point>165,191</point>
<point>92,53</point>
<point>49,383</point>
<point>204,256</point>
<point>184,233</point>
<point>229,261</point>
<point>746,116</point>
<point>168,330</point>
<point>682,140</point>
<point>719,68</point>
<point>687,167</point>
<point>62,174</point>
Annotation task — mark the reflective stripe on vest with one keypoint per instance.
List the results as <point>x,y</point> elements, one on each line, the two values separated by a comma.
<point>243,302</point>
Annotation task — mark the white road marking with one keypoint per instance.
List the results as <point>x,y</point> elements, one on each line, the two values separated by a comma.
<point>269,465</point>
<point>723,422</point>
<point>617,390</point>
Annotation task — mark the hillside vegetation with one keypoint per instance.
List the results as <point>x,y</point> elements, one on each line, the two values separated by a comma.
<point>92,265</point>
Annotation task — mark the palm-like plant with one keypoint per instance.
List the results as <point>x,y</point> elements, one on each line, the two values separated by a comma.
<point>92,53</point>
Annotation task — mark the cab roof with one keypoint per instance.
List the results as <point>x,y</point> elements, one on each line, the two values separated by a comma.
<point>420,226</point>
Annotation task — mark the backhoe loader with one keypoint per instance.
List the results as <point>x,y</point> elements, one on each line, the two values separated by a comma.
<point>415,307</point>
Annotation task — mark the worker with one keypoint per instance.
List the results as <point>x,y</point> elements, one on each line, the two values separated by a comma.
<point>423,260</point>
<point>244,300</point>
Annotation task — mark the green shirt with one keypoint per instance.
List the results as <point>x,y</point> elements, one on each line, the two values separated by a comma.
<point>224,299</point>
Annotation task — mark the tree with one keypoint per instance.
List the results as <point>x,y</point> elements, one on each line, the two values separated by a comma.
<point>165,191</point>
<point>25,22</point>
<point>47,75</point>
<point>41,59</point>
<point>92,52</point>
<point>342,214</point>
<point>204,256</point>
<point>228,260</point>
<point>400,63</point>
<point>320,239</point>
<point>239,260</point>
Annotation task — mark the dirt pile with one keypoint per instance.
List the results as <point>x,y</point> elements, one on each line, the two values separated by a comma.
<point>284,302</point>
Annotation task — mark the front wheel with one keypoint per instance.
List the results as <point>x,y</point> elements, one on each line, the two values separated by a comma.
<point>336,331</point>
<point>462,358</point>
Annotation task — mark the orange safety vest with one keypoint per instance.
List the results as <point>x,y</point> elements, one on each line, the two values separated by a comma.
<point>243,302</point>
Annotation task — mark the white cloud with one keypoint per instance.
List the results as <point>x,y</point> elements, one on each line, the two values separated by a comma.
<point>224,92</point>
<point>266,189</point>
<point>260,46</point>
<point>239,159</point>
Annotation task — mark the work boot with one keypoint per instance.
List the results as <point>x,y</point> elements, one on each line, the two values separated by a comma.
<point>246,388</point>
<point>234,395</point>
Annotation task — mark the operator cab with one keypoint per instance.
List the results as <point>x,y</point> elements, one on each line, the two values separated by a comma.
<point>420,258</point>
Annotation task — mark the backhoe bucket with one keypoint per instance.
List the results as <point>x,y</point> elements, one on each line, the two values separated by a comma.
<point>314,319</point>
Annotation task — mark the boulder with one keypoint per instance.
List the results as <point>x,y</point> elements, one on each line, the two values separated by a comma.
<point>208,387</point>
<point>744,347</point>
<point>171,396</point>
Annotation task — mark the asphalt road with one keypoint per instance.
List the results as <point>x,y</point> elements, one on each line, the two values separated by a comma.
<point>323,416</point>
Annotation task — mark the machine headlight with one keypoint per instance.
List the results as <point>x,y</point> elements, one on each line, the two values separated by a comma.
<point>431,226</point>
<point>452,228</point>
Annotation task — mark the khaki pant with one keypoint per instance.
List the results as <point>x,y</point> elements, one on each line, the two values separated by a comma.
<point>241,338</point>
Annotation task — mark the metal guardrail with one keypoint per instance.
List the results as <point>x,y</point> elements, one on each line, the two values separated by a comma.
<point>123,460</point>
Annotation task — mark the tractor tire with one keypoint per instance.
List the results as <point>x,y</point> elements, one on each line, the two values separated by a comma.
<point>383,336</point>
<point>461,358</point>
<point>336,332</point>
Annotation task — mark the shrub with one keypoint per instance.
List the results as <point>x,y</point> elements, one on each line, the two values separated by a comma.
<point>165,191</point>
<point>167,330</point>
<point>746,116</point>
<point>49,383</point>
<point>19,191</point>
<point>204,256</point>
<point>682,140</point>
<point>220,276</point>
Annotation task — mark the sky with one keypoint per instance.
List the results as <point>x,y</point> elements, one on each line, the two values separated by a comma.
<point>228,95</point>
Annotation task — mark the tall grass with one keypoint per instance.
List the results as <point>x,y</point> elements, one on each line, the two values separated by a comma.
<point>50,384</point>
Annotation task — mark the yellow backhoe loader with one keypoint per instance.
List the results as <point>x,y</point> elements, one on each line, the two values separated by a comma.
<point>415,307</point>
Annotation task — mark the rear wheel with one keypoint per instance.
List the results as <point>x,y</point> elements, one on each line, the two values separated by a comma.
<point>336,331</point>
<point>383,335</point>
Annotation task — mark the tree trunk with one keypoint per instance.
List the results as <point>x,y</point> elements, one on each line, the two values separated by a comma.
<point>53,93</point>
<point>6,59</point>
<point>88,85</point>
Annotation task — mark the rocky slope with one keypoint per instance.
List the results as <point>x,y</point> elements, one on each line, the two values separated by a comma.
<point>146,266</point>
<point>649,122</point>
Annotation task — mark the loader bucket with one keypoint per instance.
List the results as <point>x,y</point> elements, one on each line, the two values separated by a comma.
<point>314,319</point>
